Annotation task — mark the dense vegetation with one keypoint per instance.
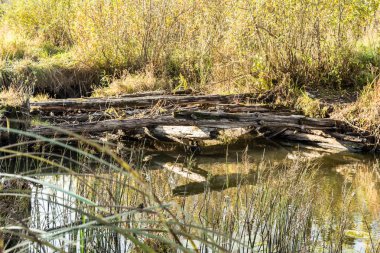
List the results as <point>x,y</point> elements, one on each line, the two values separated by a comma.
<point>79,195</point>
<point>223,46</point>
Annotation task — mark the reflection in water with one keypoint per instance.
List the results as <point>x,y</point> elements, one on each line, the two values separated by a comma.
<point>52,209</point>
<point>215,183</point>
<point>249,195</point>
<point>56,211</point>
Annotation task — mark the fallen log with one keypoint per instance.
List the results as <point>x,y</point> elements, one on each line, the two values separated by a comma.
<point>205,125</point>
<point>236,108</point>
<point>264,119</point>
<point>94,104</point>
<point>154,93</point>
<point>102,126</point>
<point>80,117</point>
<point>337,142</point>
<point>215,120</point>
<point>133,124</point>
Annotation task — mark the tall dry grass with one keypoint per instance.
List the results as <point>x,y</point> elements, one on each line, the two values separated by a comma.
<point>364,114</point>
<point>230,45</point>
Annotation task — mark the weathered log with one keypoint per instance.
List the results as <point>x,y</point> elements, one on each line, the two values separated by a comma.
<point>92,104</point>
<point>100,115</point>
<point>201,125</point>
<point>102,126</point>
<point>235,108</point>
<point>132,124</point>
<point>201,119</point>
<point>157,92</point>
<point>326,142</point>
<point>264,119</point>
<point>80,117</point>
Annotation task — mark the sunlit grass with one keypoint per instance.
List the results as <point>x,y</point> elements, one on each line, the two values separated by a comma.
<point>225,46</point>
<point>12,97</point>
<point>130,83</point>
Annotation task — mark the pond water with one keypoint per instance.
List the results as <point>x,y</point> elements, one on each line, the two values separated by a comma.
<point>335,200</point>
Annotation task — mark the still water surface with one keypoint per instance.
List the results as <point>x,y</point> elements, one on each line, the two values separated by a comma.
<point>346,183</point>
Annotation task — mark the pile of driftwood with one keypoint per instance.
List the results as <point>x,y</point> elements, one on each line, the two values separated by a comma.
<point>188,118</point>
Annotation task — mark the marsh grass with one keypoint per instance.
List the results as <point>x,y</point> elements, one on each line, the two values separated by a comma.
<point>131,83</point>
<point>12,97</point>
<point>107,203</point>
<point>85,198</point>
<point>226,46</point>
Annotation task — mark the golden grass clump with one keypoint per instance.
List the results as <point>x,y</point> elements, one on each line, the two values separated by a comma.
<point>39,97</point>
<point>12,97</point>
<point>130,83</point>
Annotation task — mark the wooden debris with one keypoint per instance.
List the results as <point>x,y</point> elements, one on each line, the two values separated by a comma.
<point>98,104</point>
<point>327,142</point>
<point>186,118</point>
<point>263,119</point>
<point>199,119</point>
